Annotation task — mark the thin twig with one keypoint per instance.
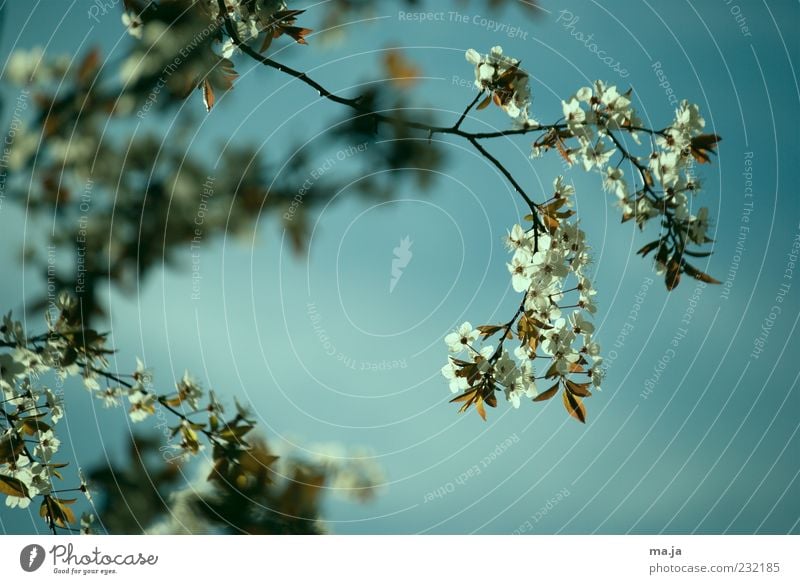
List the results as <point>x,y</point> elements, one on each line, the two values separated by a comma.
<point>460,121</point>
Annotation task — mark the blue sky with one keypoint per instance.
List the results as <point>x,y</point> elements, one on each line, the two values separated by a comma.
<point>712,448</point>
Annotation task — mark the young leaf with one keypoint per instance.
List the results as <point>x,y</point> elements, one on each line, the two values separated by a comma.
<point>13,487</point>
<point>704,145</point>
<point>673,275</point>
<point>480,408</point>
<point>57,510</point>
<point>466,396</point>
<point>697,254</point>
<point>649,247</point>
<point>547,394</point>
<point>574,406</point>
<point>579,389</point>
<point>698,275</point>
<point>487,330</point>
<point>10,446</point>
<point>31,426</point>
<point>208,95</point>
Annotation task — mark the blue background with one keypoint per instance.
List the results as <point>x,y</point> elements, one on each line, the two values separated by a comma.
<point>712,449</point>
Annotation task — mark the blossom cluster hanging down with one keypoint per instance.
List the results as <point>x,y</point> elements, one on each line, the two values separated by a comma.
<point>29,410</point>
<point>551,329</point>
<point>549,262</point>
<point>506,83</point>
<point>595,118</point>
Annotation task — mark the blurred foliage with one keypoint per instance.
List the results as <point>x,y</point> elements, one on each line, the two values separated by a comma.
<point>101,162</point>
<point>103,155</point>
<point>262,494</point>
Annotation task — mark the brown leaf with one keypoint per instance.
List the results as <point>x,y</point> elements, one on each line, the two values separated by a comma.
<point>649,247</point>
<point>673,276</point>
<point>31,426</point>
<point>58,510</point>
<point>551,223</point>
<point>551,208</point>
<point>698,275</point>
<point>470,393</point>
<point>297,33</point>
<point>575,407</point>
<point>547,394</point>
<point>526,328</point>
<point>697,254</point>
<point>704,145</point>
<point>88,67</point>
<point>564,152</point>
<point>266,43</point>
<point>487,330</point>
<point>480,408</point>
<point>579,389</point>
<point>575,368</point>
<point>13,487</point>
<point>10,446</point>
<point>485,103</point>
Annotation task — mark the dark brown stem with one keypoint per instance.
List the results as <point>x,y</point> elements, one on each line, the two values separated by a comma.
<point>460,121</point>
<point>357,104</point>
<point>507,328</point>
<point>117,379</point>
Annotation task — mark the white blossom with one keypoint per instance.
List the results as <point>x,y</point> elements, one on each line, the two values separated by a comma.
<point>596,156</point>
<point>23,64</point>
<point>133,23</point>
<point>189,390</point>
<point>55,404</point>
<point>463,336</point>
<point>142,405</point>
<point>456,383</point>
<point>509,85</point>
<point>48,445</point>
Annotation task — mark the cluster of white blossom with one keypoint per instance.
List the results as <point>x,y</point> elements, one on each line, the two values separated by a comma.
<point>507,84</point>
<point>666,171</point>
<point>29,70</point>
<point>552,325</point>
<point>29,410</point>
<point>251,18</point>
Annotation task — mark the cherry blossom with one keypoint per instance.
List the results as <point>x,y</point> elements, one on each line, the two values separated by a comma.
<point>461,338</point>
